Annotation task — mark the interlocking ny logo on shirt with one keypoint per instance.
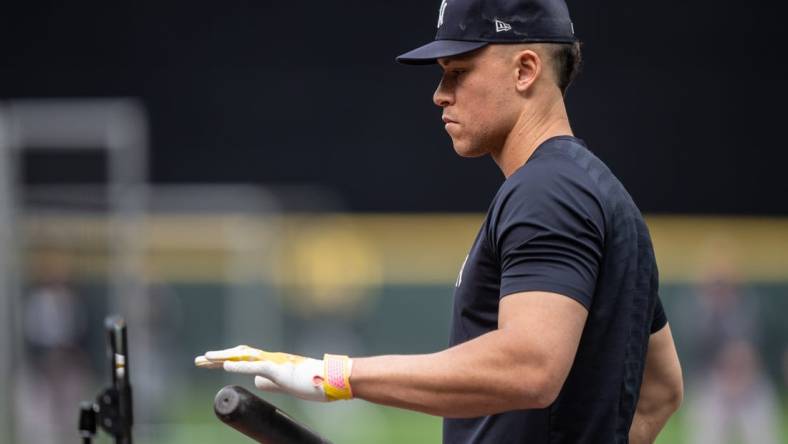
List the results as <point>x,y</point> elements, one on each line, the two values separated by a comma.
<point>441,12</point>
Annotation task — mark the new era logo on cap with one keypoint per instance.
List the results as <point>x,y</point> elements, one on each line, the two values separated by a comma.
<point>502,26</point>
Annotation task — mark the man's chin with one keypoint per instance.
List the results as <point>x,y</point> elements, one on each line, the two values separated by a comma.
<point>465,150</point>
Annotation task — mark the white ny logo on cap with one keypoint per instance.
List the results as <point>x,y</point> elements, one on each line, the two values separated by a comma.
<point>442,10</point>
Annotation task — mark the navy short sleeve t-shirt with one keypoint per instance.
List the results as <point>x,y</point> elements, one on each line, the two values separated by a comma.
<point>563,223</point>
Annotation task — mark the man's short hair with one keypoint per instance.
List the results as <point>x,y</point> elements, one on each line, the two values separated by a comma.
<point>566,61</point>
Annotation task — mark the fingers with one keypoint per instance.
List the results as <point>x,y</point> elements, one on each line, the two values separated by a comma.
<point>203,362</point>
<point>267,385</point>
<point>238,353</point>
<point>246,367</point>
<point>215,359</point>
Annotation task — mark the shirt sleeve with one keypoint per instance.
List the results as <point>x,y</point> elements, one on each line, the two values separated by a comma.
<point>660,319</point>
<point>550,233</point>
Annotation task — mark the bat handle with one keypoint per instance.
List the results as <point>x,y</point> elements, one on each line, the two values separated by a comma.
<point>259,420</point>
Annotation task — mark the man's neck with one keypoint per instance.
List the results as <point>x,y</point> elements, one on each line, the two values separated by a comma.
<point>530,131</point>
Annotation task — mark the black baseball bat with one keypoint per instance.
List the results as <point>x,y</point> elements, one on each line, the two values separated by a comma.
<point>259,420</point>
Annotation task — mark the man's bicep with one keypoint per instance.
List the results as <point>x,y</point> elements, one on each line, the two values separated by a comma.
<point>544,326</point>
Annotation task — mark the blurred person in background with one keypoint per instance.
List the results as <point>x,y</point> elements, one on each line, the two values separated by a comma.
<point>558,334</point>
<point>735,402</point>
<point>725,313</point>
<point>733,399</point>
<point>56,370</point>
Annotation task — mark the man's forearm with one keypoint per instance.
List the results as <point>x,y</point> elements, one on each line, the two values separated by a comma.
<point>646,427</point>
<point>662,389</point>
<point>479,377</point>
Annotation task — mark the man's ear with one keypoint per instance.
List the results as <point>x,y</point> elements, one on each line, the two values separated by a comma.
<point>529,68</point>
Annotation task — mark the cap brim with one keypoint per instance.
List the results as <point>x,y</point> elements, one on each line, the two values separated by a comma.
<point>431,52</point>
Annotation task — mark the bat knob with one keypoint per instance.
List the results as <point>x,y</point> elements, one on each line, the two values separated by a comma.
<point>259,420</point>
<point>228,402</point>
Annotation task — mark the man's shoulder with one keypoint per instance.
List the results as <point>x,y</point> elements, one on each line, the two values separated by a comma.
<point>557,158</point>
<point>561,166</point>
<point>565,166</point>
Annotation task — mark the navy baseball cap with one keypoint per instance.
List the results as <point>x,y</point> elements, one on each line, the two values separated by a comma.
<point>467,25</point>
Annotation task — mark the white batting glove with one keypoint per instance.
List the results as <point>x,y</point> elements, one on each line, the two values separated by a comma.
<point>305,378</point>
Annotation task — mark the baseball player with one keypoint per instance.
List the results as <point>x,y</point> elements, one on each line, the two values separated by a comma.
<point>558,334</point>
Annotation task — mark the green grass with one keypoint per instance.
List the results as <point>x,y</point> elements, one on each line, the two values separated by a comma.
<point>784,417</point>
<point>192,421</point>
<point>356,422</point>
<point>674,431</point>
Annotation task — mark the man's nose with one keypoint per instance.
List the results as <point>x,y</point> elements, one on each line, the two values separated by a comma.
<point>442,96</point>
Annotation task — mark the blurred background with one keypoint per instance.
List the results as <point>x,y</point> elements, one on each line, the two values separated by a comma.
<point>264,173</point>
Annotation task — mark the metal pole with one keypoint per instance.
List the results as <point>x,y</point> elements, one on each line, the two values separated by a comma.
<point>118,126</point>
<point>127,143</point>
<point>8,279</point>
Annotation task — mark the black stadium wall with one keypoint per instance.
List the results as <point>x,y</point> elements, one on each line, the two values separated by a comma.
<point>683,100</point>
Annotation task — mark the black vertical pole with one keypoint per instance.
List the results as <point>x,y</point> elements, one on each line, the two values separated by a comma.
<point>124,387</point>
